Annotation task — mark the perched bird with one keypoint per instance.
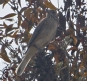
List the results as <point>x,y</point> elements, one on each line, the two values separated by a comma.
<point>43,34</point>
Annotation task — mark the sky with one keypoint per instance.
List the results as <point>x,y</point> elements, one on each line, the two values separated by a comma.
<point>7,10</point>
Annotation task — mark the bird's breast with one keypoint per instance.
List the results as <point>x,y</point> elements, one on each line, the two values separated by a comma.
<point>47,33</point>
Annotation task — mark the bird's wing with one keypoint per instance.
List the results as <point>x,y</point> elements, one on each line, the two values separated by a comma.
<point>37,31</point>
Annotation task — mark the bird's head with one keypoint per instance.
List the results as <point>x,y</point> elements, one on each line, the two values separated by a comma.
<point>52,13</point>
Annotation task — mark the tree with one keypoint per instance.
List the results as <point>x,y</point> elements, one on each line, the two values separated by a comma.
<point>64,59</point>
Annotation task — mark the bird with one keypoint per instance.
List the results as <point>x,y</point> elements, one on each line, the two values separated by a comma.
<point>44,33</point>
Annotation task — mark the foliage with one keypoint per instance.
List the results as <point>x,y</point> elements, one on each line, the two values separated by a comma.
<point>64,59</point>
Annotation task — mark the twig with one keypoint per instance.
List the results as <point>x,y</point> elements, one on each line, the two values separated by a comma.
<point>58,3</point>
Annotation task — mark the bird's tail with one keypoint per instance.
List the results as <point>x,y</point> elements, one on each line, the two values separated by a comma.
<point>30,53</point>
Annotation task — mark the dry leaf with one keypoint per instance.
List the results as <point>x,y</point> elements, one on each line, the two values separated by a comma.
<point>14,35</point>
<point>23,9</point>
<point>74,39</point>
<point>27,12</point>
<point>84,29</point>
<point>51,47</point>
<point>84,60</point>
<point>5,2</point>
<point>9,19</point>
<point>8,28</point>
<point>4,56</point>
<point>19,20</point>
<point>73,48</point>
<point>1,1</point>
<point>49,5</point>
<point>85,74</point>
<point>56,58</point>
<point>9,15</point>
<point>70,31</point>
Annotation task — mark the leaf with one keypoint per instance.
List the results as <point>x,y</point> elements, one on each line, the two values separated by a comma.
<point>73,48</point>
<point>5,2</point>
<point>84,60</point>
<point>84,29</point>
<point>1,1</point>
<point>29,36</point>
<point>14,35</point>
<point>74,39</point>
<point>4,55</point>
<point>1,32</point>
<point>49,5</point>
<point>11,41</point>
<point>56,58</point>
<point>51,47</point>
<point>33,19</point>
<point>8,28</point>
<point>82,52</point>
<point>1,37</point>
<point>5,25</point>
<point>9,15</point>
<point>70,31</point>
<point>1,25</point>
<point>71,24</point>
<point>85,74</point>
<point>27,12</point>
<point>26,36</point>
<point>59,65</point>
<point>5,58</point>
<point>26,25</point>
<point>23,9</point>
<point>19,20</point>
<point>8,34</point>
<point>9,19</point>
